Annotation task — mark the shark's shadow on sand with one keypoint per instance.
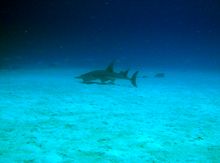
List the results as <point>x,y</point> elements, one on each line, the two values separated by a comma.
<point>107,75</point>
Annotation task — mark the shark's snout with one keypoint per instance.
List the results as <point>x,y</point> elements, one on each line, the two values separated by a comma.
<point>78,77</point>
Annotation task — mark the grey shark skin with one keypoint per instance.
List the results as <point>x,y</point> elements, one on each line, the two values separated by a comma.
<point>108,75</point>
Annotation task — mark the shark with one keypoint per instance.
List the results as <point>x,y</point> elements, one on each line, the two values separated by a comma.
<point>108,74</point>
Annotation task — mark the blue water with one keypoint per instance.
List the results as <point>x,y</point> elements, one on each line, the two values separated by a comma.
<point>46,115</point>
<point>174,34</point>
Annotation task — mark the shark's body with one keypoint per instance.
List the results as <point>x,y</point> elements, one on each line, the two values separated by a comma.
<point>108,75</point>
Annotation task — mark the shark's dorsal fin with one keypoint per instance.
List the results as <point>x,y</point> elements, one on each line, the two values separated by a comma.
<point>110,67</point>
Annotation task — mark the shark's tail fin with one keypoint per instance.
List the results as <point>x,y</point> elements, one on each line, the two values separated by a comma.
<point>133,79</point>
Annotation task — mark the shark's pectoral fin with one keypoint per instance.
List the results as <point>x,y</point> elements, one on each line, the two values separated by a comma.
<point>103,80</point>
<point>112,81</point>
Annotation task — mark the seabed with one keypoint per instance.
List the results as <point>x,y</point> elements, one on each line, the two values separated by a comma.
<point>48,116</point>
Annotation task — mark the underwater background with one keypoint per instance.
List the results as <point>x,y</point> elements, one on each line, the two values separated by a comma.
<point>174,34</point>
<point>47,115</point>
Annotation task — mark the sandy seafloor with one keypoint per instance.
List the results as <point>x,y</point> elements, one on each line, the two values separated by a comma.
<point>48,116</point>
